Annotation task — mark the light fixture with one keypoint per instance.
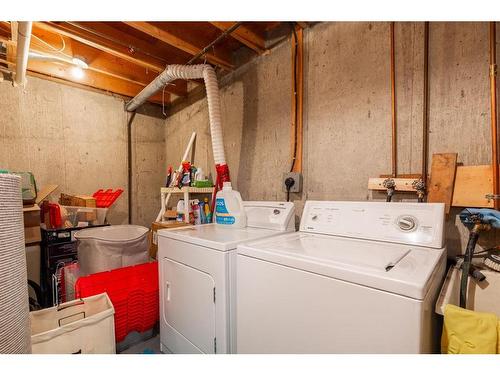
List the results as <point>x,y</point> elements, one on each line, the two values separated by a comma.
<point>77,72</point>
<point>79,65</point>
<point>80,62</point>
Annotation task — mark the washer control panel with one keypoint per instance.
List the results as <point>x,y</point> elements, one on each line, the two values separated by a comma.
<point>407,223</point>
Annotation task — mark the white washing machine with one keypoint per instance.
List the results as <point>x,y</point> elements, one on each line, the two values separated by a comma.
<point>359,277</point>
<point>197,277</point>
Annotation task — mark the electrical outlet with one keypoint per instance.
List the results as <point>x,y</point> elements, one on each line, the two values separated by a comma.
<point>297,185</point>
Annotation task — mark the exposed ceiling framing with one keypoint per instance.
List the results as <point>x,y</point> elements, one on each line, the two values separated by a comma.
<point>124,57</point>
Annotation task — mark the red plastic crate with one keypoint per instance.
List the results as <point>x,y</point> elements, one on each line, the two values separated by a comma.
<point>134,292</point>
<point>104,199</point>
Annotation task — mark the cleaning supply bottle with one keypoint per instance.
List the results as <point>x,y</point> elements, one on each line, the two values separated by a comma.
<point>229,210</point>
<point>208,213</point>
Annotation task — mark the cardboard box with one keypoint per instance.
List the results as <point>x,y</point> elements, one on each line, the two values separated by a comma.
<point>31,216</point>
<point>32,235</point>
<point>77,200</point>
<point>153,239</point>
<point>80,201</point>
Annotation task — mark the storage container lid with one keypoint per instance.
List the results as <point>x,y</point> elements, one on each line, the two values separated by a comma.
<point>113,233</point>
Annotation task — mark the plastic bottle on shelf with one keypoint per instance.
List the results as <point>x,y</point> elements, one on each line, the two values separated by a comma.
<point>229,210</point>
<point>208,213</point>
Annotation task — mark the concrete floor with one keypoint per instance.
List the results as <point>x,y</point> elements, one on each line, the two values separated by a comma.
<point>151,346</point>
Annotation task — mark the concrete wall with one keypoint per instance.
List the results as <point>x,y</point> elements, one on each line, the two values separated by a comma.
<point>78,140</point>
<point>347,115</point>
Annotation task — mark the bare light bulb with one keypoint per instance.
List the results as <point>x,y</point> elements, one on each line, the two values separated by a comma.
<point>77,72</point>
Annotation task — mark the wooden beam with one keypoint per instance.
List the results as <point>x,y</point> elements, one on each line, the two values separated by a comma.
<point>297,100</point>
<point>12,47</point>
<point>103,45</point>
<point>244,35</point>
<point>113,31</point>
<point>92,79</point>
<point>101,62</point>
<point>179,43</point>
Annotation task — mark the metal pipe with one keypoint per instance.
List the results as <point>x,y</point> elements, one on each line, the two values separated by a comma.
<point>494,127</point>
<point>425,107</point>
<point>393,107</point>
<point>23,47</point>
<point>163,78</point>
<point>130,166</point>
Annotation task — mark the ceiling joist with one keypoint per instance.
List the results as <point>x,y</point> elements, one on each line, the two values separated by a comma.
<point>179,43</point>
<point>244,35</point>
<point>124,57</point>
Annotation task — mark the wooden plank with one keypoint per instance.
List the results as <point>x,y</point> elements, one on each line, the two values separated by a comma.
<point>415,176</point>
<point>45,192</point>
<point>244,35</point>
<point>297,107</point>
<point>178,43</point>
<point>103,45</point>
<point>402,184</point>
<point>118,31</point>
<point>472,183</point>
<point>442,179</point>
<point>12,48</point>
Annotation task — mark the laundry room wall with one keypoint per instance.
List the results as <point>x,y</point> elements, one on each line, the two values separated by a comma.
<point>78,139</point>
<point>347,114</point>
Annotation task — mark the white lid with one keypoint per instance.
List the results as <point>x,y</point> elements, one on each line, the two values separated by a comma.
<point>264,219</point>
<point>227,185</point>
<point>400,269</point>
<point>215,236</point>
<point>113,233</point>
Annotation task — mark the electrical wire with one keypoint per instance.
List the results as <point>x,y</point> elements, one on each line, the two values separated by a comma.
<point>50,45</point>
<point>294,157</point>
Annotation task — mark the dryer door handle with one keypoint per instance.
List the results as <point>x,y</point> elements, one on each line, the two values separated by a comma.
<point>168,291</point>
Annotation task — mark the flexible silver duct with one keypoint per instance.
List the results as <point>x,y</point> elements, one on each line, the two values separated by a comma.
<point>15,332</point>
<point>205,71</point>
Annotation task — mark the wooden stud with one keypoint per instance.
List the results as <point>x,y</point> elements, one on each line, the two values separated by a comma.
<point>178,43</point>
<point>442,180</point>
<point>244,35</point>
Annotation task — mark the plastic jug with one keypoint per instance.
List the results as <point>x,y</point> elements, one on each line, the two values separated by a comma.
<point>229,210</point>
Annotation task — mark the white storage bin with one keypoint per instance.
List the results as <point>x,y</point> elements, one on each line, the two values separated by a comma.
<point>82,326</point>
<point>107,248</point>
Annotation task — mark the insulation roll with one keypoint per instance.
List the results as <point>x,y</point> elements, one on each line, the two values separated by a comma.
<point>15,331</point>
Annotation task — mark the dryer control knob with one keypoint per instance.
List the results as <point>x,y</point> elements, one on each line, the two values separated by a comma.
<point>406,223</point>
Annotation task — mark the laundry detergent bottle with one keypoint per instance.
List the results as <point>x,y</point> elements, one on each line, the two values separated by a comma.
<point>229,210</point>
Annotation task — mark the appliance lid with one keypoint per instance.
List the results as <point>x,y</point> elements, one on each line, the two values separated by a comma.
<point>270,215</point>
<point>116,233</point>
<point>215,236</point>
<point>401,269</point>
